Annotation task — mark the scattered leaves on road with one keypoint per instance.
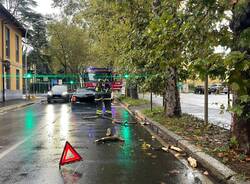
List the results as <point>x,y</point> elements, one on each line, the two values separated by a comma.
<point>176,148</point>
<point>192,162</point>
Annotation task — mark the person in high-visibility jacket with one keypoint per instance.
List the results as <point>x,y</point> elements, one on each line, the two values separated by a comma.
<point>107,97</point>
<point>99,97</point>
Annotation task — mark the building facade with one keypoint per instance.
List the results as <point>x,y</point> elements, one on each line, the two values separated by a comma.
<point>11,64</point>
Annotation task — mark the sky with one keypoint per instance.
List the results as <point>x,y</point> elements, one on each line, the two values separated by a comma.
<point>44,7</point>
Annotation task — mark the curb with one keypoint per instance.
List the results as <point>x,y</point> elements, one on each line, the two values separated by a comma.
<point>219,170</point>
<point>12,107</point>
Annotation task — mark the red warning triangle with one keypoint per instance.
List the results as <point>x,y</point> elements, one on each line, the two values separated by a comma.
<point>69,155</point>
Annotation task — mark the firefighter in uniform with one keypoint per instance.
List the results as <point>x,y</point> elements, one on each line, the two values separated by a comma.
<point>99,97</point>
<point>107,97</point>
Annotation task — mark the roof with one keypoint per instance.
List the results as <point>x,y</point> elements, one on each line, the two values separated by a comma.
<point>12,20</point>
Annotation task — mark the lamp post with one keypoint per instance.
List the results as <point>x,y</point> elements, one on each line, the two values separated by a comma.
<point>26,66</point>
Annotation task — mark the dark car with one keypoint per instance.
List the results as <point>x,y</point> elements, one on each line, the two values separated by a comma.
<point>58,93</point>
<point>201,90</point>
<point>216,88</point>
<point>83,95</point>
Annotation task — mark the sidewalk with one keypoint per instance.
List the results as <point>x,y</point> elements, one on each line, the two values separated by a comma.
<point>14,104</point>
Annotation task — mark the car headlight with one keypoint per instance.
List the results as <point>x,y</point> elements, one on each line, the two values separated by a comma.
<point>50,93</point>
<point>64,93</point>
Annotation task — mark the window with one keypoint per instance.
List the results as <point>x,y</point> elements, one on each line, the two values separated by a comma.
<point>98,75</point>
<point>7,42</point>
<point>17,79</point>
<point>17,48</point>
<point>8,79</point>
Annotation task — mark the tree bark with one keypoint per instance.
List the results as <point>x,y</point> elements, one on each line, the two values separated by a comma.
<point>172,97</point>
<point>241,123</point>
<point>133,92</point>
<point>241,128</point>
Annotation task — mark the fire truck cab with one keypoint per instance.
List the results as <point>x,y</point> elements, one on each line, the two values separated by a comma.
<point>93,74</point>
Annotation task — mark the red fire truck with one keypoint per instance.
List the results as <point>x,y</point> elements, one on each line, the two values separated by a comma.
<point>92,75</point>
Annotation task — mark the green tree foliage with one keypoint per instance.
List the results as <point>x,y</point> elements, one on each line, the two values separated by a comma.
<point>161,42</point>
<point>238,64</point>
<point>68,47</point>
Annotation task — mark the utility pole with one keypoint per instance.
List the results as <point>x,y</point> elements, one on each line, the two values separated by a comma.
<point>151,101</point>
<point>3,65</point>
<point>206,99</point>
<point>3,81</point>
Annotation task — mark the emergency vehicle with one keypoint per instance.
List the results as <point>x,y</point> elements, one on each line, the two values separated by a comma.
<point>93,74</point>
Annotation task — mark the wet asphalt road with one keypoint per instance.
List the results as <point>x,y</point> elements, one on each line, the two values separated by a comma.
<point>194,104</point>
<point>32,141</point>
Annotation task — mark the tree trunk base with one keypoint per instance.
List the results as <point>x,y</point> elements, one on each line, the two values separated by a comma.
<point>241,130</point>
<point>172,96</point>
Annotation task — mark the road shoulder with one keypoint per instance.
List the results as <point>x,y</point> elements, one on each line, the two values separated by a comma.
<point>16,106</point>
<point>215,167</point>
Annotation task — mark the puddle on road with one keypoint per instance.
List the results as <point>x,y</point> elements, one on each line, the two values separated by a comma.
<point>70,176</point>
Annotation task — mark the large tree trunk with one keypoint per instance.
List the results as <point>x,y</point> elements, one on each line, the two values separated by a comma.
<point>133,92</point>
<point>241,124</point>
<point>172,104</point>
<point>172,96</point>
<point>241,128</point>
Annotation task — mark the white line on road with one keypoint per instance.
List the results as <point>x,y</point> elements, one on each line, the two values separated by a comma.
<point>6,152</point>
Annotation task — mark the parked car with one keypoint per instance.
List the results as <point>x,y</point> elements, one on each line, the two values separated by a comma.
<point>216,88</point>
<point>58,92</point>
<point>83,95</point>
<point>201,90</point>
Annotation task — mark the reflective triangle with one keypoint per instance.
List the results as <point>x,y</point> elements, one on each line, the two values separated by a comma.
<point>69,155</point>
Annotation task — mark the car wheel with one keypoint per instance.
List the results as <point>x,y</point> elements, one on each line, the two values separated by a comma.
<point>49,101</point>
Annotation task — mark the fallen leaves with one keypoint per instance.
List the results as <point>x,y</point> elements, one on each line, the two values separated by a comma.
<point>144,123</point>
<point>248,159</point>
<point>164,148</point>
<point>176,148</point>
<point>205,173</point>
<point>192,162</point>
<point>145,146</point>
<point>220,155</point>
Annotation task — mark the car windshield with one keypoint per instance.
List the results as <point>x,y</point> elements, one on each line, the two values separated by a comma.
<point>59,88</point>
<point>99,75</point>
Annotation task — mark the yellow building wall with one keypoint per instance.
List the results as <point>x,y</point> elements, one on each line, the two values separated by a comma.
<point>14,65</point>
<point>1,81</point>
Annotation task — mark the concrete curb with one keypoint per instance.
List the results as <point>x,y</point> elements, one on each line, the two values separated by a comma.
<point>12,107</point>
<point>216,168</point>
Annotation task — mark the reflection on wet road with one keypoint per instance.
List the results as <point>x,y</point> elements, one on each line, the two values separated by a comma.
<point>32,140</point>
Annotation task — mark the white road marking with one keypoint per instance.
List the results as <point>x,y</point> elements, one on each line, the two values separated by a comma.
<point>6,152</point>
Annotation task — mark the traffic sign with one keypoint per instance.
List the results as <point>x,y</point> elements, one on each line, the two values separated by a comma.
<point>69,155</point>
